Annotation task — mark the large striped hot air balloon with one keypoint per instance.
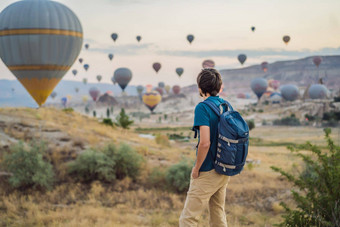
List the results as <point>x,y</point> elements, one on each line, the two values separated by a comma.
<point>152,99</point>
<point>39,42</point>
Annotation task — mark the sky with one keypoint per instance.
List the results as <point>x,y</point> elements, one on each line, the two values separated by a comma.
<point>221,29</point>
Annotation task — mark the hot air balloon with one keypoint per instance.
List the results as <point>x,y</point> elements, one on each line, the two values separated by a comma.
<point>190,38</point>
<point>176,89</point>
<point>87,46</point>
<point>241,96</point>
<point>148,88</point>
<point>160,90</point>
<point>39,42</point>
<point>167,89</point>
<point>85,81</point>
<point>156,66</point>
<point>85,98</point>
<point>123,76</point>
<point>179,71</point>
<point>264,66</point>
<point>317,61</point>
<point>208,64</point>
<point>140,89</point>
<point>138,38</point>
<point>152,99</point>
<point>286,39</point>
<point>275,84</point>
<point>318,91</point>
<point>74,71</point>
<point>252,28</point>
<point>114,36</point>
<point>110,57</point>
<point>275,97</point>
<point>53,94</point>
<point>259,86</point>
<point>242,58</point>
<point>80,60</point>
<point>64,101</point>
<point>99,78</point>
<point>94,93</point>
<point>289,92</point>
<point>161,84</point>
<point>86,66</point>
<point>113,80</point>
<point>76,89</point>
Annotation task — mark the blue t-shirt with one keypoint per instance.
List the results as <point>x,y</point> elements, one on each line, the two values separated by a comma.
<point>204,115</point>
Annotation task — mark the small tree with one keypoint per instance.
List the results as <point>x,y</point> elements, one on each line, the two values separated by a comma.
<point>251,124</point>
<point>108,113</point>
<point>318,194</point>
<point>123,119</point>
<point>94,113</point>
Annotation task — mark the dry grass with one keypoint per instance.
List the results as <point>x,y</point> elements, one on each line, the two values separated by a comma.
<point>252,197</point>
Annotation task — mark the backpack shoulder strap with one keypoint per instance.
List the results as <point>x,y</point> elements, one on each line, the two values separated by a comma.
<point>212,106</point>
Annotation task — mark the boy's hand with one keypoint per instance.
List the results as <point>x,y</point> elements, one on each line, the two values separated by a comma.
<point>195,173</point>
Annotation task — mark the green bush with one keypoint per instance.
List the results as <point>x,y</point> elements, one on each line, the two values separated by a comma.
<point>107,121</point>
<point>317,196</point>
<point>178,176</point>
<point>251,124</point>
<point>128,161</point>
<point>68,110</point>
<point>157,178</point>
<point>92,165</point>
<point>162,140</point>
<point>290,121</point>
<point>28,168</point>
<point>123,119</point>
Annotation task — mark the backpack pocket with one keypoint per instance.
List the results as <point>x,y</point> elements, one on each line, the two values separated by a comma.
<point>226,152</point>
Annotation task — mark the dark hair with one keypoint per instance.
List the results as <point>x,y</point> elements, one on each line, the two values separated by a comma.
<point>210,81</point>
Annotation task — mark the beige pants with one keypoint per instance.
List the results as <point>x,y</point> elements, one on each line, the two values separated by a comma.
<point>208,189</point>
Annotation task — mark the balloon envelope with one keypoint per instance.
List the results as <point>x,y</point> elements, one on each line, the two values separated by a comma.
<point>64,101</point>
<point>53,94</point>
<point>74,72</point>
<point>86,66</point>
<point>264,66</point>
<point>110,57</point>
<point>114,36</point>
<point>160,90</point>
<point>289,92</point>
<point>259,86</point>
<point>140,89</point>
<point>40,45</point>
<point>161,84</point>
<point>253,28</point>
<point>208,64</point>
<point>318,91</point>
<point>152,99</point>
<point>275,84</point>
<point>85,81</point>
<point>242,58</point>
<point>99,78</point>
<point>275,97</point>
<point>317,61</point>
<point>179,71</point>
<point>138,38</point>
<point>122,76</point>
<point>156,66</point>
<point>148,88</point>
<point>87,46</point>
<point>286,39</point>
<point>94,93</point>
<point>190,38</point>
<point>176,89</point>
<point>80,60</point>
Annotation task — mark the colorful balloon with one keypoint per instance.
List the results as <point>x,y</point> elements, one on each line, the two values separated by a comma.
<point>113,80</point>
<point>275,84</point>
<point>275,97</point>
<point>74,71</point>
<point>179,71</point>
<point>208,64</point>
<point>87,46</point>
<point>86,67</point>
<point>161,84</point>
<point>242,58</point>
<point>286,39</point>
<point>94,93</point>
<point>264,66</point>
<point>259,86</point>
<point>252,28</point>
<point>64,101</point>
<point>317,61</point>
<point>138,38</point>
<point>176,89</point>
<point>148,88</point>
<point>39,42</point>
<point>53,94</point>
<point>99,78</point>
<point>167,89</point>
<point>140,90</point>
<point>156,66</point>
<point>80,60</point>
<point>318,91</point>
<point>84,81</point>
<point>114,36</point>
<point>289,92</point>
<point>152,99</point>
<point>110,57</point>
<point>241,96</point>
<point>123,76</point>
<point>190,38</point>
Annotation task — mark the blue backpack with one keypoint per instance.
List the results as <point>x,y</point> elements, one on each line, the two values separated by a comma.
<point>232,141</point>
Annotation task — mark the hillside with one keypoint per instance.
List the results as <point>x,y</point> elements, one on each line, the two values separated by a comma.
<point>252,197</point>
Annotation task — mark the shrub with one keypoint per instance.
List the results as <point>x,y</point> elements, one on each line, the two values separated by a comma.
<point>94,113</point>
<point>318,196</point>
<point>93,165</point>
<point>107,121</point>
<point>251,124</point>
<point>108,112</point>
<point>123,119</point>
<point>290,121</point>
<point>128,161</point>
<point>162,140</point>
<point>157,178</point>
<point>28,168</point>
<point>68,110</point>
<point>178,176</point>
